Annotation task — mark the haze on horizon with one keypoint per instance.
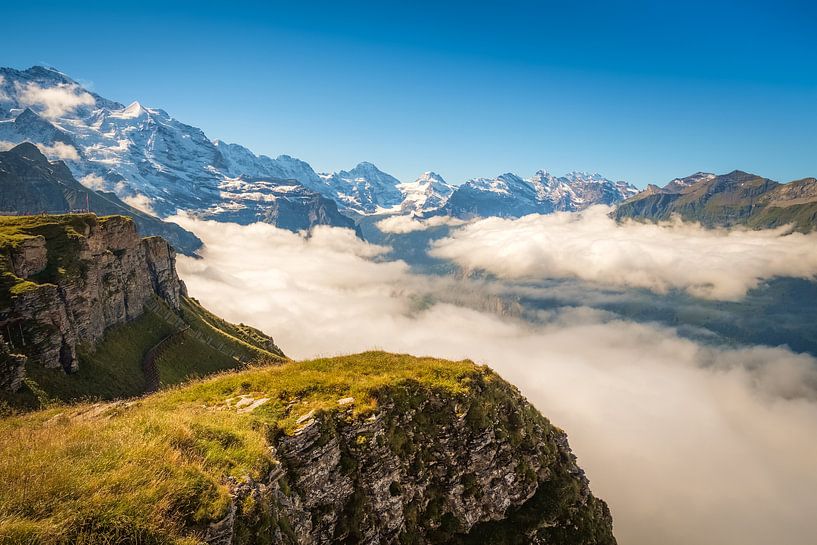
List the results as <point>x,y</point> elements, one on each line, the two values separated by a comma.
<point>641,91</point>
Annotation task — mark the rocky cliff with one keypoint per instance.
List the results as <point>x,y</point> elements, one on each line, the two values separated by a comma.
<point>66,279</point>
<point>425,467</point>
<point>372,448</point>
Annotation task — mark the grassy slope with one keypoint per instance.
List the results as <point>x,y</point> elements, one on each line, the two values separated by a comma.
<point>154,468</point>
<point>802,216</point>
<point>743,205</point>
<point>113,369</point>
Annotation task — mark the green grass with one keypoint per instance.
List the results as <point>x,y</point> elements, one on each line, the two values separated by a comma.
<point>241,338</point>
<point>187,358</point>
<point>152,471</point>
<point>113,369</point>
<point>802,216</point>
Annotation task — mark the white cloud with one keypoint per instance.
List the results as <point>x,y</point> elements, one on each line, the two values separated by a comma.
<point>53,102</point>
<point>3,94</point>
<point>140,202</point>
<point>409,224</point>
<point>60,150</point>
<point>5,145</point>
<point>93,181</point>
<point>708,263</point>
<point>688,443</point>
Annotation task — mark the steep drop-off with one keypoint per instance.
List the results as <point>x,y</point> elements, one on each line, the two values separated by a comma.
<point>372,448</point>
<point>81,291</point>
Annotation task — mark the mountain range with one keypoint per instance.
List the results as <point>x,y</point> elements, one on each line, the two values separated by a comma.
<point>30,183</point>
<point>145,160</point>
<point>145,156</point>
<point>736,198</point>
<point>155,162</point>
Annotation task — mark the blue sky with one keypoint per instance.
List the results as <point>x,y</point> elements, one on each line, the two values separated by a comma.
<point>642,91</point>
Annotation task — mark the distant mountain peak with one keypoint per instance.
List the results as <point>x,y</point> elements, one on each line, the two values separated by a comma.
<point>430,176</point>
<point>48,72</point>
<point>28,151</point>
<point>134,110</point>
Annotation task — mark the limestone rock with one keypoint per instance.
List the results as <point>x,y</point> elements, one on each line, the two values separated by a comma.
<point>426,468</point>
<point>113,273</point>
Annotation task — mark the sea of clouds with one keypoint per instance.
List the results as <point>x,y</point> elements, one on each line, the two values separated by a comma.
<point>709,263</point>
<point>688,443</point>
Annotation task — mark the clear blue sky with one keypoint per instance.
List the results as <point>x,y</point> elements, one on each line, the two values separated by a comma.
<point>642,91</point>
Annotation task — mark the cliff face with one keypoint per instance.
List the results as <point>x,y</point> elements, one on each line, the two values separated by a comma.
<point>66,279</point>
<point>425,468</point>
<point>371,448</point>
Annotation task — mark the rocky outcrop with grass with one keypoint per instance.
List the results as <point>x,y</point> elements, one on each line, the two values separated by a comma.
<point>426,467</point>
<point>66,279</point>
<point>372,448</point>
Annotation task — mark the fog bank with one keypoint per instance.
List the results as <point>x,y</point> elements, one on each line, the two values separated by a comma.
<point>687,443</point>
<point>708,263</point>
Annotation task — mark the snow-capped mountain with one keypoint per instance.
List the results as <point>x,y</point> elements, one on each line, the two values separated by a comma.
<point>425,194</point>
<point>507,195</point>
<point>238,161</point>
<point>511,196</point>
<point>577,190</point>
<point>145,155</point>
<point>153,161</point>
<point>363,190</point>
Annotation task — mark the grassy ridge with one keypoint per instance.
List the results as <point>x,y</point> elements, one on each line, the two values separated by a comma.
<point>113,369</point>
<point>152,470</point>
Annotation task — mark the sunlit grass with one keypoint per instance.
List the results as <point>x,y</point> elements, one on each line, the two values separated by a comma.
<point>153,469</point>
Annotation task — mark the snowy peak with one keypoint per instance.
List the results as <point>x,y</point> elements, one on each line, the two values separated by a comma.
<point>426,194</point>
<point>131,112</point>
<point>585,177</point>
<point>365,189</point>
<point>511,196</point>
<point>144,154</point>
<point>677,185</point>
<point>577,190</point>
<point>430,177</point>
<point>370,173</point>
<point>49,93</point>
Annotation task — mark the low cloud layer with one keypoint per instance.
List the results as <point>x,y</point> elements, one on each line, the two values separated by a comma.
<point>688,443</point>
<point>53,102</point>
<point>708,263</point>
<point>93,181</point>
<point>409,224</point>
<point>59,150</point>
<point>3,94</point>
<point>140,202</point>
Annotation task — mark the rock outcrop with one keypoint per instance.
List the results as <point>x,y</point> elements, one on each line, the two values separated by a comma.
<point>425,468</point>
<point>66,279</point>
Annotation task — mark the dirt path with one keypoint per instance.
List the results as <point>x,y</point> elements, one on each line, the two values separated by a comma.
<point>149,367</point>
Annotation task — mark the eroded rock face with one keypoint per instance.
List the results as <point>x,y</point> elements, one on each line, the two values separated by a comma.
<point>425,468</point>
<point>111,274</point>
<point>12,368</point>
